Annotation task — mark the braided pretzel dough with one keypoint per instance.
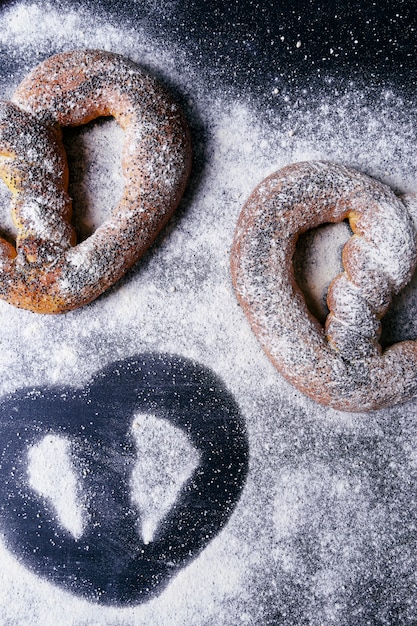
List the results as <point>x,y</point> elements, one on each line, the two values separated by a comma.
<point>342,365</point>
<point>33,165</point>
<point>70,89</point>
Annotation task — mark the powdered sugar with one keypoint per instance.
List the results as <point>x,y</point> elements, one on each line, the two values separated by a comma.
<point>166,460</point>
<point>156,165</point>
<point>327,494</point>
<point>100,145</point>
<point>61,489</point>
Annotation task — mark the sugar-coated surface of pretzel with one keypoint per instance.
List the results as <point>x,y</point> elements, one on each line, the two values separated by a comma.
<point>33,165</point>
<point>341,365</point>
<point>71,89</point>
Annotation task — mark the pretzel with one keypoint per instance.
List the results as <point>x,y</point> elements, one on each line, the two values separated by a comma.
<point>341,365</point>
<point>48,273</point>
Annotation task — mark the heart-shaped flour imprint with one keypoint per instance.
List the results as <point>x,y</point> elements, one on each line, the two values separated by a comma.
<point>116,548</point>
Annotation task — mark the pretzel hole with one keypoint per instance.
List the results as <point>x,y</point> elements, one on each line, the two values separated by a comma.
<point>400,323</point>
<point>8,230</point>
<point>96,182</point>
<point>317,261</point>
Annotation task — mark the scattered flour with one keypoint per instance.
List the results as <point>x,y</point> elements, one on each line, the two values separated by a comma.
<point>60,488</point>
<point>325,528</point>
<point>100,147</point>
<point>166,461</point>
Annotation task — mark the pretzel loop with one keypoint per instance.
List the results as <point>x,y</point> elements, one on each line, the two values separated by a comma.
<point>48,273</point>
<point>342,365</point>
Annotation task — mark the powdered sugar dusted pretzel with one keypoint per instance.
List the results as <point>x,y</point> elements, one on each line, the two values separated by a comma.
<point>342,365</point>
<point>74,88</point>
<point>33,165</point>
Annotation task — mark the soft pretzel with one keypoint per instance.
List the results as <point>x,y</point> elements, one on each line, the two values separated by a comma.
<point>70,89</point>
<point>33,165</point>
<point>341,365</point>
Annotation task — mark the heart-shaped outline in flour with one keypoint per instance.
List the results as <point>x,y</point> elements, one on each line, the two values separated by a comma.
<point>110,563</point>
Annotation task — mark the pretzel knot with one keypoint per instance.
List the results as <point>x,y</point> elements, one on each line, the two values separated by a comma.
<point>341,365</point>
<point>47,272</point>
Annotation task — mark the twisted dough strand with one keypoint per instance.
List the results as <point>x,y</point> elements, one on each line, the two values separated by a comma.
<point>378,260</point>
<point>341,366</point>
<point>34,167</point>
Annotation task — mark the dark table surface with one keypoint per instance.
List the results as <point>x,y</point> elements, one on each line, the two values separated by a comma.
<point>301,515</point>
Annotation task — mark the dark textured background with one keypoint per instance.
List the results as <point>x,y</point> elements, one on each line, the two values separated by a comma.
<point>325,531</point>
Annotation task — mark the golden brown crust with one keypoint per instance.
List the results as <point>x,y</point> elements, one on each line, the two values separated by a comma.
<point>341,365</point>
<point>51,274</point>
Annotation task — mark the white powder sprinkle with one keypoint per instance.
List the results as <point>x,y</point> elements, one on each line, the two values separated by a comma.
<point>59,488</point>
<point>166,460</point>
<point>324,531</point>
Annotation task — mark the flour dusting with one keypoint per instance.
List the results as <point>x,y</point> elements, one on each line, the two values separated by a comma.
<point>60,487</point>
<point>94,152</point>
<point>165,461</point>
<point>324,531</point>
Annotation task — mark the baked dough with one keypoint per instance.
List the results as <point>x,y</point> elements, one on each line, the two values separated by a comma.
<point>341,365</point>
